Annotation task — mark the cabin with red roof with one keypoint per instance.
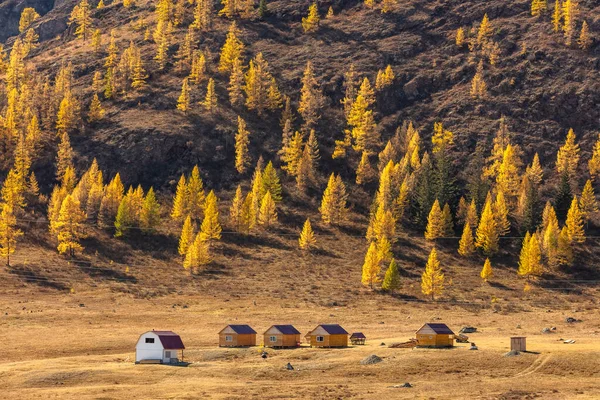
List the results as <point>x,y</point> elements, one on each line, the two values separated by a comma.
<point>237,336</point>
<point>327,335</point>
<point>159,347</point>
<point>282,336</point>
<point>435,335</point>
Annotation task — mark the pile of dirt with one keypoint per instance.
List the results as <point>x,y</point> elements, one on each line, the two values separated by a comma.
<point>372,359</point>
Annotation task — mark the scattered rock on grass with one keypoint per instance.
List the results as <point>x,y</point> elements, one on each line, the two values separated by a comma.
<point>372,359</point>
<point>467,329</point>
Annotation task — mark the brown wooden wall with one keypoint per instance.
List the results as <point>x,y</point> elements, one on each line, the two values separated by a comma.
<point>238,340</point>
<point>329,341</point>
<point>435,340</point>
<point>282,340</point>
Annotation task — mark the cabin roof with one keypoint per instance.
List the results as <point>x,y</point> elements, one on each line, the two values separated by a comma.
<point>169,340</point>
<point>440,329</point>
<point>287,329</point>
<point>242,329</point>
<point>334,329</point>
<point>358,335</point>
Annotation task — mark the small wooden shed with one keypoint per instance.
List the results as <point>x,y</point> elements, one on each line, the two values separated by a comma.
<point>518,343</point>
<point>237,336</point>
<point>282,336</point>
<point>158,347</point>
<point>435,335</point>
<point>328,335</point>
<point>358,338</point>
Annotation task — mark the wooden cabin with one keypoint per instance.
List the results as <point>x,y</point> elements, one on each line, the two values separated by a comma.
<point>358,338</point>
<point>331,335</point>
<point>237,336</point>
<point>282,336</point>
<point>435,335</point>
<point>158,347</point>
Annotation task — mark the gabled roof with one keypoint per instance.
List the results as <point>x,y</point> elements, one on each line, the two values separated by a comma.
<point>242,329</point>
<point>286,329</point>
<point>358,335</point>
<point>440,329</point>
<point>169,340</point>
<point>334,329</point>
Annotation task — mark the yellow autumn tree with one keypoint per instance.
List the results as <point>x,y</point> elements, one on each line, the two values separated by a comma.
<point>186,237</point>
<point>371,267</point>
<point>96,112</point>
<point>587,203</point>
<point>198,254</point>
<point>183,102</point>
<point>486,272</point>
<point>267,215</point>
<point>574,222</point>
<point>478,85</point>
<point>487,231</point>
<point>211,227</point>
<point>70,226</point>
<point>556,16</point>
<point>570,12</point>
<point>311,98</point>
<point>432,280</point>
<point>584,41</point>
<point>567,158</point>
<point>28,16</point>
<point>501,212</point>
<point>9,233</point>
<point>180,209</point>
<point>460,37</point>
<point>232,50</point>
<point>81,16</point>
<point>210,100</point>
<point>466,245</point>
<point>333,205</point>
<point>307,238</point>
<point>242,140</point>
<point>538,7</point>
<point>310,23</point>
<point>435,223</point>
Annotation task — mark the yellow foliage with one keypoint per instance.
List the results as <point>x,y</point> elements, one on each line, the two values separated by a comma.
<point>432,280</point>
<point>307,238</point>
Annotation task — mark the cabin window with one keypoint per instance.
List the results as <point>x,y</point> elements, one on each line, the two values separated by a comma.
<point>149,340</point>
<point>320,339</point>
<point>167,354</point>
<point>272,338</point>
<point>228,338</point>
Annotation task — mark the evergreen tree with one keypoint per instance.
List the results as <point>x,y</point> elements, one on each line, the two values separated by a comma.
<point>487,231</point>
<point>242,140</point>
<point>371,267</point>
<point>187,236</point>
<point>466,245</point>
<point>310,23</point>
<point>486,271</point>
<point>432,280</point>
<point>271,183</point>
<point>211,227</point>
<point>9,233</point>
<point>564,196</point>
<point>307,238</point>
<point>391,281</point>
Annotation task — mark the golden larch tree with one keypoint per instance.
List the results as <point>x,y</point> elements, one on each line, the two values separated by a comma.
<point>333,205</point>
<point>242,140</point>
<point>435,222</point>
<point>574,222</point>
<point>587,203</point>
<point>9,233</point>
<point>486,272</point>
<point>180,209</point>
<point>28,16</point>
<point>371,266</point>
<point>584,41</point>
<point>570,12</point>
<point>210,100</point>
<point>538,7</point>
<point>556,16</point>
<point>307,238</point>
<point>391,280</point>
<point>267,215</point>
<point>311,98</point>
<point>487,231</point>
<point>96,112</point>
<point>466,245</point>
<point>211,227</point>
<point>81,16</point>
<point>567,158</point>
<point>311,22</point>
<point>186,237</point>
<point>70,226</point>
<point>432,280</point>
<point>198,254</point>
<point>232,50</point>
<point>183,102</point>
<point>236,211</point>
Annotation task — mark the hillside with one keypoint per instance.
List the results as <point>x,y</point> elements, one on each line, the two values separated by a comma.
<point>540,86</point>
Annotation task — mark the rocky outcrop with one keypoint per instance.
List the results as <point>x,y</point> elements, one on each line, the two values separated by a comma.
<point>10,13</point>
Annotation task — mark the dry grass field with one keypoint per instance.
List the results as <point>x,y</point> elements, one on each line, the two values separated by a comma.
<point>82,346</point>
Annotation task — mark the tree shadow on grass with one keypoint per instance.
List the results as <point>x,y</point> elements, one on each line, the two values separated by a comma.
<point>498,285</point>
<point>103,272</point>
<point>32,276</point>
<point>250,241</point>
<point>324,253</point>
